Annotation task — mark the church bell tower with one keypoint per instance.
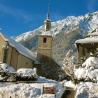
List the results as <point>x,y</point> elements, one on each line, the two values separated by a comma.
<point>45,41</point>
<point>47,23</point>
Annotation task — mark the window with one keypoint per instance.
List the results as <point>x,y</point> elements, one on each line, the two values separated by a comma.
<point>5,55</point>
<point>44,40</point>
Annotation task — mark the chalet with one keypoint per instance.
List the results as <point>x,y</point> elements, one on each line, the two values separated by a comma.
<point>87,46</point>
<point>15,54</point>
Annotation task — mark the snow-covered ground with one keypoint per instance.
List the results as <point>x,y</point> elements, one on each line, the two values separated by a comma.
<point>87,76</point>
<point>87,90</point>
<point>33,89</point>
<point>88,71</point>
<point>30,90</point>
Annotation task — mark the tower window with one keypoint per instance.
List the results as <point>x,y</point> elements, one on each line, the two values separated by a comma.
<point>44,40</point>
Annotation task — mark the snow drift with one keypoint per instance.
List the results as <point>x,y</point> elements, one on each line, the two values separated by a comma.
<point>89,70</point>
<point>31,90</point>
<point>27,72</point>
<point>87,90</point>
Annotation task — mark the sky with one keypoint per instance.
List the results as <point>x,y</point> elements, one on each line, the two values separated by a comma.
<point>19,16</point>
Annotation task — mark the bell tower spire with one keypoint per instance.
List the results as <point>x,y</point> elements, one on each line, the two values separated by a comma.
<point>48,14</point>
<point>47,22</point>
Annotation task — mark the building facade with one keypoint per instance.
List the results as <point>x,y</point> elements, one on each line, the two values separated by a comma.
<point>45,42</point>
<point>14,54</point>
<point>87,46</point>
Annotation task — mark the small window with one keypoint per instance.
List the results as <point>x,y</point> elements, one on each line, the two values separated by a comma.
<point>44,40</point>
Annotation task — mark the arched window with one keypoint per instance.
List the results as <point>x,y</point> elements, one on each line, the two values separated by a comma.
<point>44,40</point>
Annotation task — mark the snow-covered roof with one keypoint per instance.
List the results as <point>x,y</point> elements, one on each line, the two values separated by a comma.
<point>27,72</point>
<point>93,34</point>
<point>19,47</point>
<point>92,38</point>
<point>47,33</point>
<point>6,68</point>
<point>87,40</point>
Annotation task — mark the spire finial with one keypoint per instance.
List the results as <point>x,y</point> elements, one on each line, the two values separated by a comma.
<point>48,14</point>
<point>47,22</point>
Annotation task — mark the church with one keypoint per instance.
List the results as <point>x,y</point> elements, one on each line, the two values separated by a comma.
<point>47,66</point>
<point>45,42</point>
<point>18,56</point>
<point>15,54</point>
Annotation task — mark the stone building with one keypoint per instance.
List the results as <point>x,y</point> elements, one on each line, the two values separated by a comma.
<point>15,54</point>
<point>47,67</point>
<point>87,46</point>
<point>45,42</point>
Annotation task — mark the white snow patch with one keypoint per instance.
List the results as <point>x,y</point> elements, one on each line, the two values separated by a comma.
<point>6,68</point>
<point>31,90</point>
<point>27,72</point>
<point>91,62</point>
<point>87,90</point>
<point>47,96</point>
<point>80,73</point>
<point>69,84</point>
<point>43,79</point>
<point>89,70</point>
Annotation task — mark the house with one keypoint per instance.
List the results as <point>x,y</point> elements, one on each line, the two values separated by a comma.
<point>15,54</point>
<point>87,46</point>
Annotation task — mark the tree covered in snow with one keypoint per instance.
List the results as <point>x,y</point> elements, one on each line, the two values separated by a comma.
<point>69,64</point>
<point>87,90</point>
<point>89,70</point>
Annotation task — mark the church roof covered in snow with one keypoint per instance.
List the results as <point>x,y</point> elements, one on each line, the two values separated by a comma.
<point>47,33</point>
<point>88,40</point>
<point>93,34</point>
<point>92,38</point>
<point>19,47</point>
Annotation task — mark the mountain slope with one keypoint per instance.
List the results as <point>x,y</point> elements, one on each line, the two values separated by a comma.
<point>65,32</point>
